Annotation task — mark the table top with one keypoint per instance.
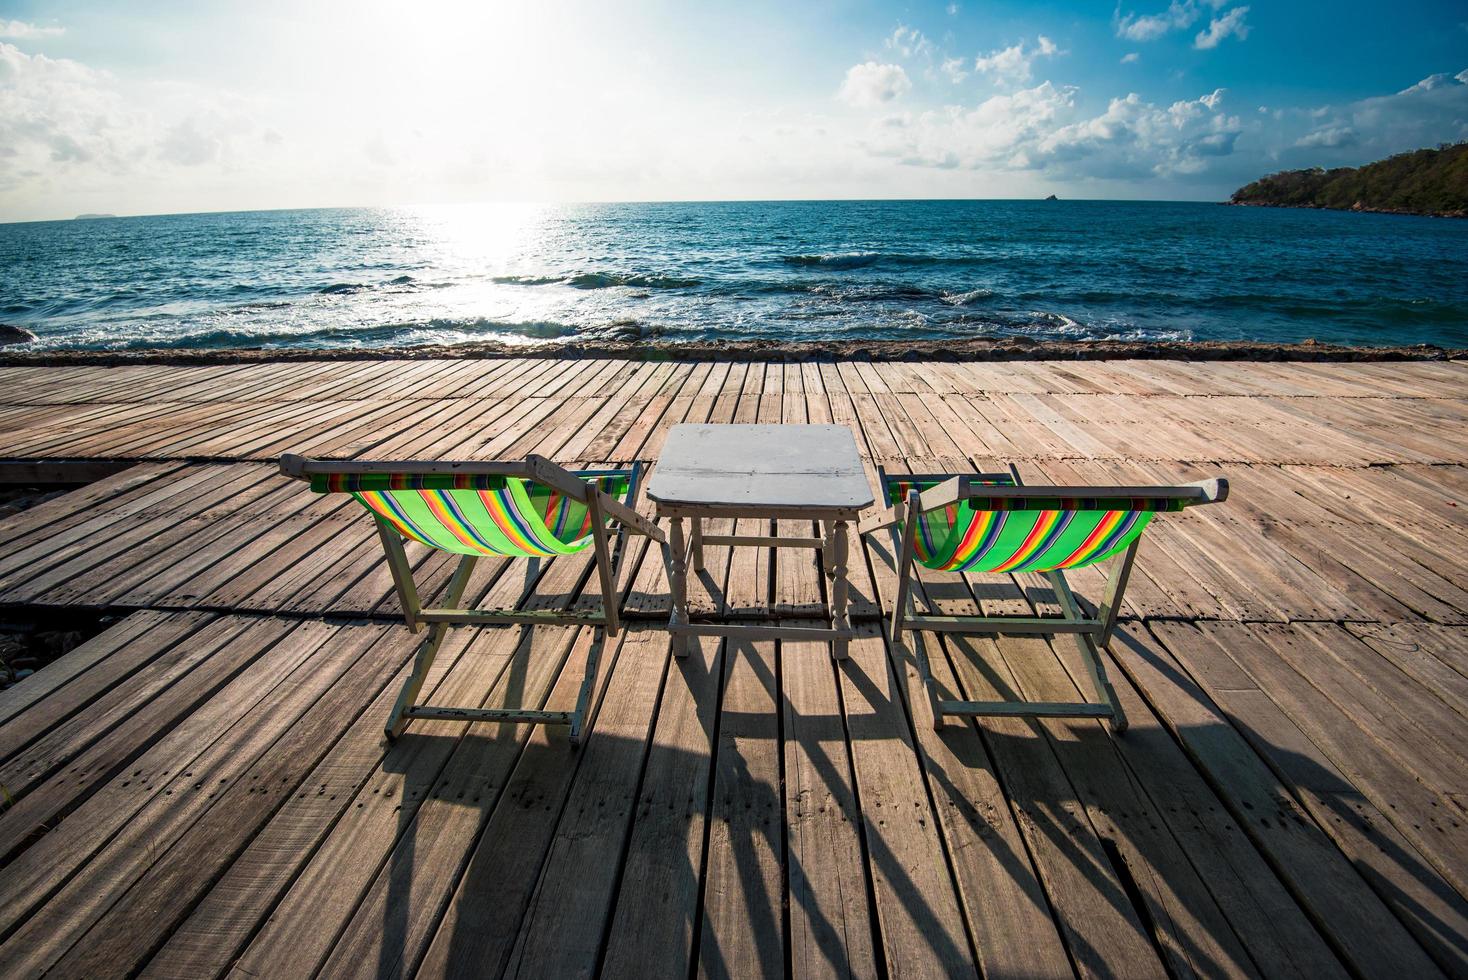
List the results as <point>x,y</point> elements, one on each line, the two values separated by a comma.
<point>784,467</point>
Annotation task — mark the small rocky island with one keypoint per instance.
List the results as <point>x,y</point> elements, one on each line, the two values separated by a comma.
<point>1431,182</point>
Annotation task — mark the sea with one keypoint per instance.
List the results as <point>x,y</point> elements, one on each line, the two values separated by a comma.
<point>777,271</point>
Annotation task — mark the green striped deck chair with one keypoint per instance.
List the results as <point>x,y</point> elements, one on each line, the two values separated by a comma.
<point>522,509</point>
<point>992,523</point>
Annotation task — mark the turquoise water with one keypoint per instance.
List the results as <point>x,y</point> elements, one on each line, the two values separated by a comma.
<point>918,270</point>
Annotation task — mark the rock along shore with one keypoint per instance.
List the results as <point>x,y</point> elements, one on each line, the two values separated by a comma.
<point>1009,349</point>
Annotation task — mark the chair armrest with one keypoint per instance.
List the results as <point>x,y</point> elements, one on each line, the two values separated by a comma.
<point>293,466</point>
<point>630,519</point>
<point>1215,491</point>
<point>876,522</point>
<point>944,494</point>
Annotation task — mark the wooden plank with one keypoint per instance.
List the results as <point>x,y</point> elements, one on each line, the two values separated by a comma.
<point>81,662</point>
<point>210,939</point>
<point>741,930</point>
<point>1004,902</point>
<point>831,922</point>
<point>1436,657</point>
<point>1371,767</point>
<point>35,749</point>
<point>1267,792</point>
<point>1276,934</point>
<point>536,892</point>
<point>922,927</point>
<point>172,883</point>
<point>387,931</point>
<point>94,850</point>
<point>657,902</point>
<point>1102,924</point>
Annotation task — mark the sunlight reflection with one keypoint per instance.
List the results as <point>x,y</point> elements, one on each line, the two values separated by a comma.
<point>479,236</point>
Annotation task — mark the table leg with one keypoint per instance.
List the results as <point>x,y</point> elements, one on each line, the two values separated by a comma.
<point>697,523</point>
<point>828,548</point>
<point>678,583</point>
<point>839,619</point>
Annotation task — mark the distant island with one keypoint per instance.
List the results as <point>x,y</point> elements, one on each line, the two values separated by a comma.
<point>89,217</point>
<point>1431,182</point>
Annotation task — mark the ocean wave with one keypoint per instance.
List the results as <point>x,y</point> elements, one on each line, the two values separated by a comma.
<point>604,280</point>
<point>337,278</point>
<point>839,290</point>
<point>527,280</point>
<point>858,260</point>
<point>352,288</point>
<point>966,298</point>
<point>264,304</point>
<point>407,333</point>
<point>876,292</point>
<point>845,260</point>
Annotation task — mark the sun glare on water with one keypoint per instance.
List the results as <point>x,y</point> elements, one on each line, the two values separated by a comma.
<point>479,237</point>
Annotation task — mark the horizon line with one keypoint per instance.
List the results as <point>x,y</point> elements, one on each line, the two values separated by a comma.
<point>105,216</point>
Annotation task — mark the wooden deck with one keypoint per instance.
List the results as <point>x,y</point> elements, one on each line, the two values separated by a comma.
<point>203,789</point>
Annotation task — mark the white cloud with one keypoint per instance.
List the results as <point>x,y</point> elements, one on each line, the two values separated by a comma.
<point>953,12</point>
<point>1149,27</point>
<point>20,30</point>
<point>1436,81</point>
<point>191,142</point>
<point>1013,65</point>
<point>1048,132</point>
<point>55,112</point>
<point>870,84</point>
<point>1230,24</point>
<point>909,41</point>
<point>66,125</point>
<point>1042,129</point>
<point>953,68</point>
<point>1435,110</point>
<point>1179,15</point>
<point>1131,57</point>
<point>1331,137</point>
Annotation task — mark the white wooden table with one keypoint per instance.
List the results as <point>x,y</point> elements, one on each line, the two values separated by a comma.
<point>763,472</point>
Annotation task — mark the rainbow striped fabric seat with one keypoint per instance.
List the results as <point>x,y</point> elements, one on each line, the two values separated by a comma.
<point>479,515</point>
<point>1035,534</point>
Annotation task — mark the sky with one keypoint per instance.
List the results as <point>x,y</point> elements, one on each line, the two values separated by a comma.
<point>160,107</point>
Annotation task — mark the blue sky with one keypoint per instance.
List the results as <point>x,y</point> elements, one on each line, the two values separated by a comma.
<point>157,107</point>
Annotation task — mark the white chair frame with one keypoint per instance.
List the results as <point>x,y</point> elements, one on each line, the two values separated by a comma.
<point>608,551</point>
<point>1090,633</point>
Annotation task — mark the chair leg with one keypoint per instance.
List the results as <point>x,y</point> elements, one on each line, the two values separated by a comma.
<point>1116,583</point>
<point>1091,657</point>
<point>930,686</point>
<point>427,650</point>
<point>402,573</point>
<point>904,567</point>
<point>604,571</point>
<point>588,686</point>
<point>408,696</point>
<point>1090,654</point>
